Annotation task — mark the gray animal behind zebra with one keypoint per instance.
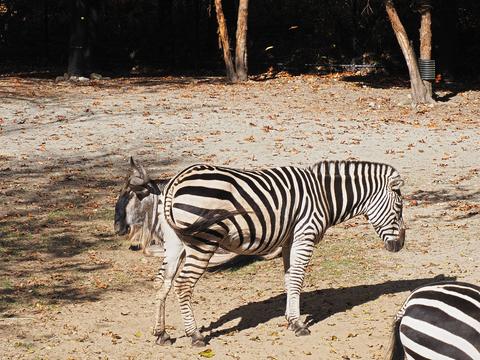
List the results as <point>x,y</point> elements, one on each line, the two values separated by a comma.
<point>136,213</point>
<point>204,208</point>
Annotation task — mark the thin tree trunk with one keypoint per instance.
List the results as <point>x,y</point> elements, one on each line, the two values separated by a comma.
<point>46,31</point>
<point>93,20</point>
<point>419,92</point>
<point>198,60</point>
<point>167,32</point>
<point>354,14</point>
<point>241,43</point>
<point>225,42</point>
<point>83,35</point>
<point>426,38</point>
<point>78,38</point>
<point>448,37</point>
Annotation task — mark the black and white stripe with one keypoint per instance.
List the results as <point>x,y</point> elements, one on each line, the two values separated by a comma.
<point>439,321</point>
<point>255,212</point>
<point>137,212</point>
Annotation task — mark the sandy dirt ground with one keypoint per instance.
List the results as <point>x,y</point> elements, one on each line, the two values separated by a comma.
<point>70,289</point>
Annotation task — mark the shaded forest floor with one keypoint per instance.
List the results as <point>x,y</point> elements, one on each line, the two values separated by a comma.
<point>70,289</point>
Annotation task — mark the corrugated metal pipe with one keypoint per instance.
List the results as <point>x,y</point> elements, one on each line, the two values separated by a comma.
<point>427,69</point>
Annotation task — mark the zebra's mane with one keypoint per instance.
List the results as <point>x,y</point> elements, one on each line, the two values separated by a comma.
<point>160,183</point>
<point>347,163</point>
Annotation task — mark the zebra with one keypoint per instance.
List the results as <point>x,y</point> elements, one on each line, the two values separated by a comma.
<point>136,213</point>
<point>438,321</point>
<point>255,211</point>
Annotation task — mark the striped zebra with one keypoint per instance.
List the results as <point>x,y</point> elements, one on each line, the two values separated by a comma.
<point>254,212</point>
<point>136,214</point>
<point>438,321</point>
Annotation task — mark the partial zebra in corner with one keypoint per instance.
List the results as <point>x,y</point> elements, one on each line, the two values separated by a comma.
<point>255,212</point>
<point>438,321</point>
<point>137,211</point>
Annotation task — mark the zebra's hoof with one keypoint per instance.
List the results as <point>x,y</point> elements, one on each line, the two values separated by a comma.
<point>302,332</point>
<point>164,339</point>
<point>299,328</point>
<point>198,340</point>
<point>198,343</point>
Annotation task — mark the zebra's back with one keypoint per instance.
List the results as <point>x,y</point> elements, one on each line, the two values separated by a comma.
<point>442,321</point>
<point>266,202</point>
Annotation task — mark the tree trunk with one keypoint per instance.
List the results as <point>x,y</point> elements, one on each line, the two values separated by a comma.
<point>241,43</point>
<point>225,42</point>
<point>167,35</point>
<point>354,15</point>
<point>78,38</point>
<point>426,38</point>
<point>46,32</point>
<point>447,37</point>
<point>198,60</point>
<point>83,34</point>
<point>419,92</point>
<point>92,24</point>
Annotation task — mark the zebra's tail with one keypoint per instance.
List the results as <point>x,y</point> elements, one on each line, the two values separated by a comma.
<point>205,220</point>
<point>396,351</point>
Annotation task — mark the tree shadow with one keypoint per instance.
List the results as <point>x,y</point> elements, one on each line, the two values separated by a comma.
<point>318,304</point>
<point>52,294</point>
<point>383,81</point>
<point>452,89</point>
<point>378,81</point>
<point>52,226</point>
<point>461,204</point>
<point>443,196</point>
<point>117,81</point>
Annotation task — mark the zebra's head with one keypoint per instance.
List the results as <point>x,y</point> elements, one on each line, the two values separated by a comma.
<point>384,212</point>
<point>136,208</point>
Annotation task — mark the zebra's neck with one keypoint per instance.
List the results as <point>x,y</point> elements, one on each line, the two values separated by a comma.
<point>344,189</point>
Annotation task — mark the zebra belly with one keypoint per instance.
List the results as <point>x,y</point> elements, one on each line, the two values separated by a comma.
<point>245,244</point>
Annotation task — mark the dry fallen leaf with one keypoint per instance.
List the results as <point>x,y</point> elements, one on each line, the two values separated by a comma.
<point>207,353</point>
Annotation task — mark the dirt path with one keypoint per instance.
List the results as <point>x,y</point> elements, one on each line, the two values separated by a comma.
<point>69,289</point>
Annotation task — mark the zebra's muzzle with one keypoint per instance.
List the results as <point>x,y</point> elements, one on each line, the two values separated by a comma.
<point>395,245</point>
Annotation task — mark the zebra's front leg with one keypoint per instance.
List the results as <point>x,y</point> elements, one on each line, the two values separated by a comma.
<point>300,255</point>
<point>196,262</point>
<point>172,261</point>
<point>286,270</point>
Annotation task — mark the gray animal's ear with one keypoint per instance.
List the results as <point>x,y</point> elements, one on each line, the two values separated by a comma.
<point>395,183</point>
<point>139,175</point>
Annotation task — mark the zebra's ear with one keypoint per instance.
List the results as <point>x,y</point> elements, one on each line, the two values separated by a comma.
<point>139,175</point>
<point>395,183</point>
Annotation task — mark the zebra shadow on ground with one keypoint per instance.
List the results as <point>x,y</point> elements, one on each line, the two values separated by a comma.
<point>317,304</point>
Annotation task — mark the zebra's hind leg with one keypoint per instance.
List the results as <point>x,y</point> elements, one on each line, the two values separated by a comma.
<point>300,254</point>
<point>196,261</point>
<point>174,253</point>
